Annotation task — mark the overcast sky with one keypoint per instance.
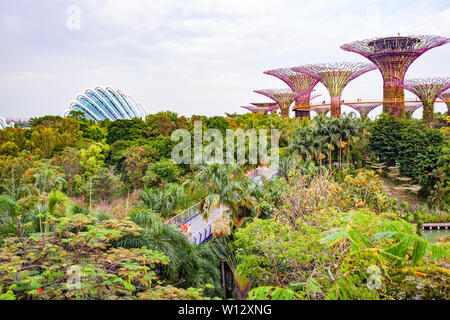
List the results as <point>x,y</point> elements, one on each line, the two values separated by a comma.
<point>194,57</point>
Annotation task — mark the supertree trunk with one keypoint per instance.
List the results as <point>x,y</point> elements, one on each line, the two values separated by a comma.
<point>335,107</point>
<point>428,114</point>
<point>390,93</point>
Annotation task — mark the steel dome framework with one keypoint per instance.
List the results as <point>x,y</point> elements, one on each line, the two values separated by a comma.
<point>101,104</point>
<point>4,124</point>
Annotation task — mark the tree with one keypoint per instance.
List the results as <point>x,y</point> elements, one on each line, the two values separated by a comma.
<point>410,144</point>
<point>227,187</point>
<point>161,172</point>
<point>93,159</point>
<point>44,141</point>
<point>48,179</point>
<point>164,201</point>
<point>106,185</point>
<point>137,160</point>
<point>125,130</point>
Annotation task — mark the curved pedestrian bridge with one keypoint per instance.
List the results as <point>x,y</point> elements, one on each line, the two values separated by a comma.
<point>201,229</point>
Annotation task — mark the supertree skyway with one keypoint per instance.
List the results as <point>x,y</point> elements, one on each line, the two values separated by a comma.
<point>283,97</point>
<point>261,109</point>
<point>322,110</point>
<point>411,107</point>
<point>302,106</point>
<point>364,108</point>
<point>299,83</point>
<point>445,96</point>
<point>335,76</point>
<point>428,90</point>
<point>393,56</point>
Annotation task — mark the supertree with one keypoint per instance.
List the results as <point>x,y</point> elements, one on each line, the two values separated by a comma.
<point>322,110</point>
<point>445,96</point>
<point>270,105</point>
<point>302,107</point>
<point>335,76</point>
<point>283,97</point>
<point>364,108</point>
<point>301,84</point>
<point>263,108</point>
<point>428,90</point>
<point>393,56</point>
<point>410,107</point>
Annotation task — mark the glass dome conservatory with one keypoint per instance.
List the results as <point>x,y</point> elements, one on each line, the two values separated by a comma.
<point>4,124</point>
<point>101,104</point>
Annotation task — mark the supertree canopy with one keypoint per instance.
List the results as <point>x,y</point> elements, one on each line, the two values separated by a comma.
<point>445,96</point>
<point>283,97</point>
<point>322,110</point>
<point>364,108</point>
<point>335,76</point>
<point>428,90</point>
<point>263,108</point>
<point>410,107</point>
<point>300,83</point>
<point>393,56</point>
<point>270,105</point>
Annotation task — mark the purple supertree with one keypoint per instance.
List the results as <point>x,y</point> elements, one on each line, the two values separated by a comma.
<point>302,107</point>
<point>393,56</point>
<point>445,96</point>
<point>270,105</point>
<point>301,84</point>
<point>263,108</point>
<point>322,110</point>
<point>335,76</point>
<point>411,107</point>
<point>428,90</point>
<point>364,108</point>
<point>283,98</point>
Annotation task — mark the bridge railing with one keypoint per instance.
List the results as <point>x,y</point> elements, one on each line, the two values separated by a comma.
<point>185,215</point>
<point>203,235</point>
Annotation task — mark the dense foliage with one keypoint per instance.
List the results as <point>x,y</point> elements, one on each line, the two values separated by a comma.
<point>87,201</point>
<point>418,150</point>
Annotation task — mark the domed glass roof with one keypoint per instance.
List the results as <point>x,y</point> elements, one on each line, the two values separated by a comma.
<point>4,125</point>
<point>101,104</point>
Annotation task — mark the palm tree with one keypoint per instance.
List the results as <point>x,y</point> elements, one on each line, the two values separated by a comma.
<point>17,192</point>
<point>228,188</point>
<point>10,220</point>
<point>308,143</point>
<point>190,265</point>
<point>286,165</point>
<point>165,201</point>
<point>47,180</point>
<point>349,129</point>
